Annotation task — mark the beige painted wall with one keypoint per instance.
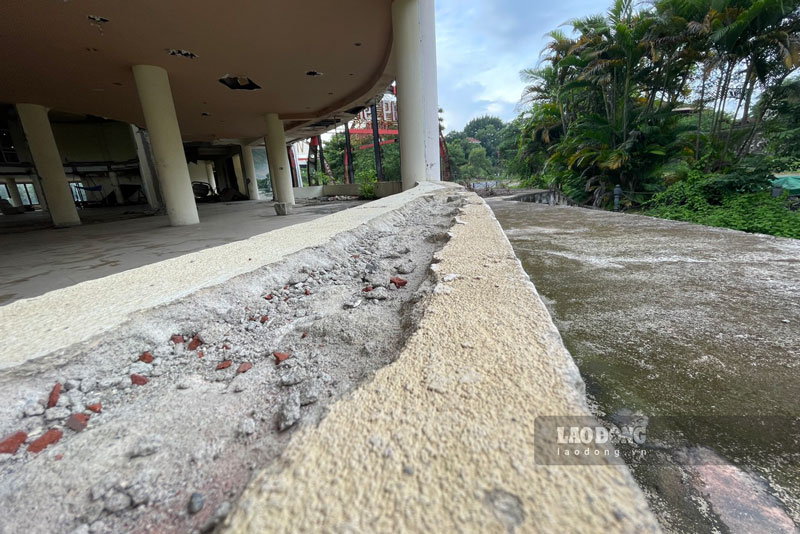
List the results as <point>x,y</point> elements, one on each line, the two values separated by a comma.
<point>197,172</point>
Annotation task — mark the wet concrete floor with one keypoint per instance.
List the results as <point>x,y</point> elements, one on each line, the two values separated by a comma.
<point>671,319</point>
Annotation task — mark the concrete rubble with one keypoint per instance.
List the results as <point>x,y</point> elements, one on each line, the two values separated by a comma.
<point>163,419</point>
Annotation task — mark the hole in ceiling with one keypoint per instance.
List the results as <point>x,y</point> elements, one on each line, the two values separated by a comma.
<point>330,94</point>
<point>182,53</point>
<point>91,49</point>
<point>205,114</point>
<point>357,44</point>
<point>97,20</point>
<point>239,83</point>
<point>314,73</point>
<point>118,84</point>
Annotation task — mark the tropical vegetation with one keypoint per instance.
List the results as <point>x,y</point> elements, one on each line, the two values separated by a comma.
<point>691,106</point>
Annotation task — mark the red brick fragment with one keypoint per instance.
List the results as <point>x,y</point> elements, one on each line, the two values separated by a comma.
<point>50,437</point>
<point>264,319</point>
<point>252,318</point>
<point>55,393</point>
<point>11,443</point>
<point>226,347</point>
<point>224,365</point>
<point>308,292</point>
<point>356,256</point>
<point>195,343</point>
<point>201,354</point>
<point>285,288</point>
<point>59,457</point>
<point>305,335</point>
<point>399,282</point>
<point>280,357</point>
<point>246,366</point>
<point>77,421</point>
<point>177,339</point>
<point>268,297</point>
<point>96,408</point>
<point>146,357</point>
<point>367,289</point>
<point>139,380</point>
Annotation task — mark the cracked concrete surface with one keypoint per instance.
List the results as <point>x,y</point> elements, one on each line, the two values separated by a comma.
<point>442,440</point>
<point>23,338</point>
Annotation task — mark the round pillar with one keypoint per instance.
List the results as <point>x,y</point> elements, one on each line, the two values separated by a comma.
<point>117,190</point>
<point>212,181</point>
<point>278,159</point>
<point>13,192</point>
<point>417,90</point>
<point>155,96</point>
<point>249,168</point>
<point>48,163</point>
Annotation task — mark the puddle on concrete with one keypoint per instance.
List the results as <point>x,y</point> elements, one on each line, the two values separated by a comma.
<point>670,319</point>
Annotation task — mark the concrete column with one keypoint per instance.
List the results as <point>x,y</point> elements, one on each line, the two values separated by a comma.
<point>155,97</point>
<point>237,169</point>
<point>212,181</point>
<point>37,187</point>
<point>417,90</point>
<point>13,192</point>
<point>249,168</point>
<point>147,169</point>
<point>48,164</point>
<point>278,159</point>
<point>117,191</point>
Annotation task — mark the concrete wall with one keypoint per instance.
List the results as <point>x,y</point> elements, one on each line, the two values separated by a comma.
<point>382,189</point>
<point>439,441</point>
<point>442,440</point>
<point>308,192</point>
<point>197,172</point>
<point>104,141</point>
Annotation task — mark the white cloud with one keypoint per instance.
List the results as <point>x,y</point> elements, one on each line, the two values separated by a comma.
<point>482,47</point>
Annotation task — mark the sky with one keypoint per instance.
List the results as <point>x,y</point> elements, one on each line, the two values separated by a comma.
<point>482,45</point>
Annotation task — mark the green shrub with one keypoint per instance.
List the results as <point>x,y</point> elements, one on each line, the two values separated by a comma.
<point>695,200</point>
<point>367,179</point>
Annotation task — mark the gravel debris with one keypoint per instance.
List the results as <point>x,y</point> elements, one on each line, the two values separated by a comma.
<point>172,414</point>
<point>290,412</point>
<point>147,446</point>
<point>196,503</point>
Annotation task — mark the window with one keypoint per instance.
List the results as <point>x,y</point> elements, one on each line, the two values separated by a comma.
<point>4,192</point>
<point>79,195</point>
<point>27,194</point>
<point>8,153</point>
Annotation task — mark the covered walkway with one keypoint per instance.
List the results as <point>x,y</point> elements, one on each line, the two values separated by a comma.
<point>35,262</point>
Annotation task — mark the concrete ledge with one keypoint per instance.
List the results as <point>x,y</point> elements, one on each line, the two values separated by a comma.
<point>308,192</point>
<point>382,189</point>
<point>442,440</point>
<point>35,327</point>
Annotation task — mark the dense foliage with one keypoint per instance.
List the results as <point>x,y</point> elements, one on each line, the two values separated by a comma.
<point>482,150</point>
<point>677,102</point>
<point>364,160</point>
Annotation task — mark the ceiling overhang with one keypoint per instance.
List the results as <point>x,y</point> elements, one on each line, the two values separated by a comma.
<point>314,61</point>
